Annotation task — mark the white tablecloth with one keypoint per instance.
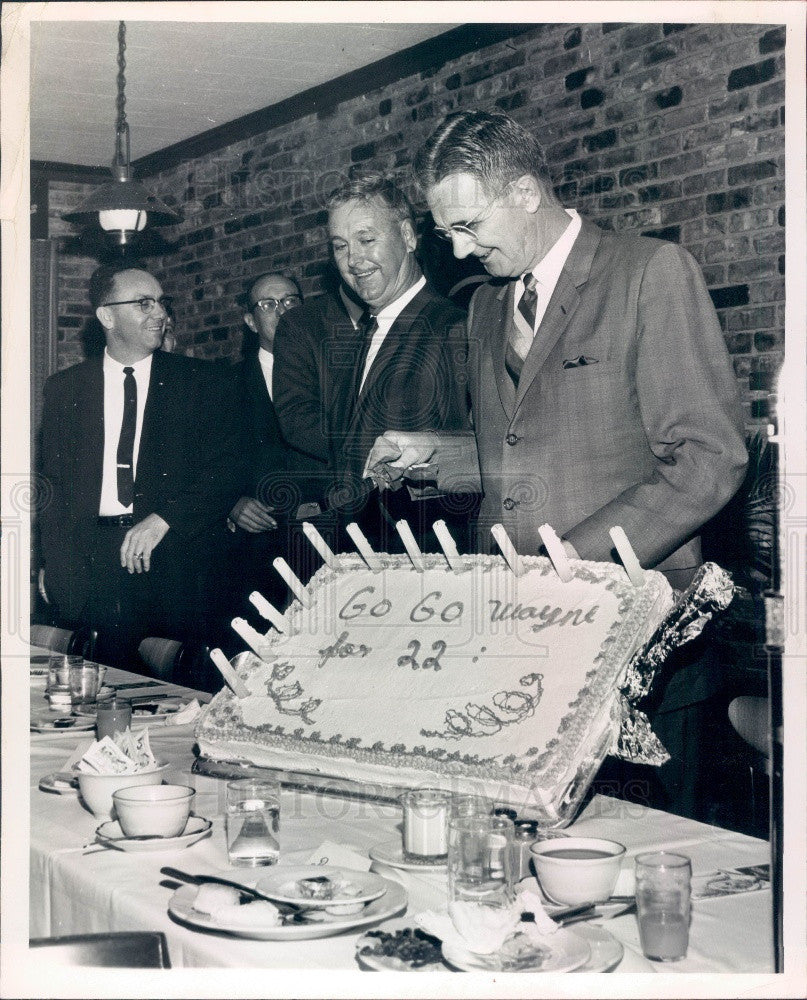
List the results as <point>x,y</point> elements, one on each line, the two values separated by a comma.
<point>104,890</point>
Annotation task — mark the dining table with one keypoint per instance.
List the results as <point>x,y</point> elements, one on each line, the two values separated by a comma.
<point>79,885</point>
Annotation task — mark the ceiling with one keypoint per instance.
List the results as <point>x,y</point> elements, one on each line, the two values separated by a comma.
<point>183,79</point>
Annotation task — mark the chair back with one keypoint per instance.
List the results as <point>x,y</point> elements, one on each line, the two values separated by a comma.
<point>129,950</point>
<point>160,656</point>
<point>78,642</point>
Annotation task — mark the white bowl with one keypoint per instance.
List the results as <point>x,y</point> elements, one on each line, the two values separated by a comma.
<point>97,789</point>
<point>153,810</point>
<point>577,869</point>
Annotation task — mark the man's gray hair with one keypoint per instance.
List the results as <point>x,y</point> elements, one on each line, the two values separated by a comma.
<point>490,146</point>
<point>369,185</point>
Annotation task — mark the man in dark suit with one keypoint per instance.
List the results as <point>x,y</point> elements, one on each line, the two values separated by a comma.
<point>603,393</point>
<point>340,384</point>
<point>140,456</point>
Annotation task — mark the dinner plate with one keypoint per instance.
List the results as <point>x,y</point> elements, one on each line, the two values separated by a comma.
<point>111,835</point>
<point>391,963</point>
<point>167,706</point>
<point>75,724</point>
<point>180,907</point>
<point>391,853</point>
<point>564,951</point>
<point>59,783</point>
<point>350,887</point>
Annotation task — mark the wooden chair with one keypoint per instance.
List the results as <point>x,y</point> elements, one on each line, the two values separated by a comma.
<point>78,642</point>
<point>188,664</point>
<point>749,717</point>
<point>128,950</point>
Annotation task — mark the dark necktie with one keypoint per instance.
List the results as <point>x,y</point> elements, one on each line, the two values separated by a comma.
<point>520,342</point>
<point>125,458</point>
<point>366,328</point>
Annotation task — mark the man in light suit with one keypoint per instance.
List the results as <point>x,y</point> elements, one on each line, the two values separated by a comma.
<point>140,455</point>
<point>603,393</point>
<point>340,384</point>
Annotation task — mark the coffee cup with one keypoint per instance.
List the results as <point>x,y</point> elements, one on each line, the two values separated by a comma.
<point>575,870</point>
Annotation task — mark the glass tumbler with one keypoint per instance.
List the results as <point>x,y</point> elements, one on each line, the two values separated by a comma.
<point>425,824</point>
<point>84,683</point>
<point>663,904</point>
<point>58,687</point>
<point>252,821</point>
<point>471,805</point>
<point>114,715</point>
<point>480,860</point>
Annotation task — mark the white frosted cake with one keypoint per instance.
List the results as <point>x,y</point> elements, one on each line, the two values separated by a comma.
<point>475,681</point>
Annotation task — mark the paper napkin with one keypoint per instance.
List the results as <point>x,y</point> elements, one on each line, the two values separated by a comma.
<point>329,853</point>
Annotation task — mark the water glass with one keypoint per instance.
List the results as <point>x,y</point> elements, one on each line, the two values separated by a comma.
<point>471,805</point>
<point>114,715</point>
<point>480,859</point>
<point>58,687</point>
<point>84,683</point>
<point>253,822</point>
<point>425,819</point>
<point>663,904</point>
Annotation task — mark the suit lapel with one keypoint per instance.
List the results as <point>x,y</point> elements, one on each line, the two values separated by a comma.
<point>154,418</point>
<point>90,406</point>
<point>562,305</point>
<point>501,321</point>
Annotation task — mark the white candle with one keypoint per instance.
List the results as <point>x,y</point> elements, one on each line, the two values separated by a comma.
<point>448,545</point>
<point>258,643</point>
<point>627,555</point>
<point>364,547</point>
<point>294,582</point>
<point>268,611</point>
<point>410,544</point>
<point>556,552</point>
<point>425,823</point>
<point>319,544</point>
<point>507,548</point>
<point>239,688</point>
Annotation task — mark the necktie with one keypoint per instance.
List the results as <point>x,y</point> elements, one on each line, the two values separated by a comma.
<point>520,341</point>
<point>125,458</point>
<point>527,305</point>
<point>366,328</point>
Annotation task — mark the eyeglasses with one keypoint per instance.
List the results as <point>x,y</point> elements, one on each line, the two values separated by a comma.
<point>272,305</point>
<point>469,228</point>
<point>146,303</point>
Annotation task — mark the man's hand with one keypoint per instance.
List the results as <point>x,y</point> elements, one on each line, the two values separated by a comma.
<point>395,451</point>
<point>40,583</point>
<point>140,541</point>
<point>253,516</point>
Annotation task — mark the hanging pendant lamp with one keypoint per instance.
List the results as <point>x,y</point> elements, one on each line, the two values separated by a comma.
<point>123,206</point>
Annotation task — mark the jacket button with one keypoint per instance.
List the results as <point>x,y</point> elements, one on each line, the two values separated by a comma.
<point>512,439</point>
<point>508,503</point>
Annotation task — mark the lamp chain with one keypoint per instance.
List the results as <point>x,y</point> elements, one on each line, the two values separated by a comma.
<point>121,101</point>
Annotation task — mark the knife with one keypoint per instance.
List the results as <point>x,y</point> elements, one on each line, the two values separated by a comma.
<point>611,908</point>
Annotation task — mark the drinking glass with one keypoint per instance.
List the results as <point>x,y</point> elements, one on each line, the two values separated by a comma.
<point>253,822</point>
<point>114,716</point>
<point>471,805</point>
<point>58,687</point>
<point>84,683</point>
<point>480,858</point>
<point>425,816</point>
<point>663,904</point>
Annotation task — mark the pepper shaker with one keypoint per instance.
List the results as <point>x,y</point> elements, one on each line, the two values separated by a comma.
<point>526,833</point>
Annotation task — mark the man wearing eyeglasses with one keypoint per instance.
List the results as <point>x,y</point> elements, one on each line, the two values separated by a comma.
<point>140,456</point>
<point>603,393</point>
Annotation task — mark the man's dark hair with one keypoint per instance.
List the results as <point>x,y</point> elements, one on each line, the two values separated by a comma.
<point>103,280</point>
<point>368,185</point>
<point>488,145</point>
<point>246,296</point>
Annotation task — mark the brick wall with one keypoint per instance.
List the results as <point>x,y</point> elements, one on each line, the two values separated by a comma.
<point>665,129</point>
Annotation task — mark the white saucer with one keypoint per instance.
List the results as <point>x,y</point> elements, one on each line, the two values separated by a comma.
<point>391,853</point>
<point>111,835</point>
<point>391,963</point>
<point>564,951</point>
<point>59,783</point>
<point>606,950</point>
<point>48,725</point>
<point>350,887</point>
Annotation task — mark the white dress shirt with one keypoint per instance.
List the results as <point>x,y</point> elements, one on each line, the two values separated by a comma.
<point>385,318</point>
<point>267,362</point>
<point>113,419</point>
<point>547,271</point>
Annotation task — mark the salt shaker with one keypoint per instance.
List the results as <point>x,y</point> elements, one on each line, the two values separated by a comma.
<point>526,833</point>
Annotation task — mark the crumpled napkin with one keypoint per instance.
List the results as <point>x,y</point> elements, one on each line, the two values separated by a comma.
<point>340,856</point>
<point>185,715</point>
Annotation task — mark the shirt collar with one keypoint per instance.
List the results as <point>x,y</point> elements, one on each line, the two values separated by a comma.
<point>391,311</point>
<point>547,270</point>
<point>112,366</point>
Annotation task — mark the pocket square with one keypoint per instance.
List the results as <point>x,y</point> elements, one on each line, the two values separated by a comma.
<point>579,361</point>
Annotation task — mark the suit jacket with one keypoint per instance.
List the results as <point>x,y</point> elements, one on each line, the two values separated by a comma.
<point>265,455</point>
<point>187,469</point>
<point>647,435</point>
<point>416,381</point>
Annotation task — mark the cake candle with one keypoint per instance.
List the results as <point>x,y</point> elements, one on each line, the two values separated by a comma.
<point>319,544</point>
<point>252,637</point>
<point>507,548</point>
<point>294,582</point>
<point>556,552</point>
<point>364,547</point>
<point>411,546</point>
<point>448,545</point>
<point>231,678</point>
<point>268,611</point>
<point>627,555</point>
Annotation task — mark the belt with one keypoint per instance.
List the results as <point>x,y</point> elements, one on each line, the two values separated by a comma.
<point>116,521</point>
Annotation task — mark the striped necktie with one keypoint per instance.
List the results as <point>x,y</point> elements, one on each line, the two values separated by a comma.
<point>520,340</point>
